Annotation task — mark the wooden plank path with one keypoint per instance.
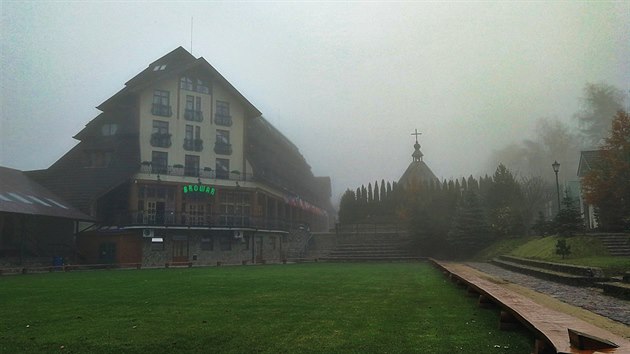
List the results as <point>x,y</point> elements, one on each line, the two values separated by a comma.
<point>556,332</point>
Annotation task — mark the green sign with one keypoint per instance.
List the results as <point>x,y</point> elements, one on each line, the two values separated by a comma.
<point>199,188</point>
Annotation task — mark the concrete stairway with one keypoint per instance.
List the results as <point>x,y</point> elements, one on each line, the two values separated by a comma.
<point>381,246</point>
<point>617,244</point>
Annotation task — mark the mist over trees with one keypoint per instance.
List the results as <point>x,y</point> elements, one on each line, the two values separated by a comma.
<point>599,105</point>
<point>555,140</point>
<point>458,217</point>
<point>450,218</point>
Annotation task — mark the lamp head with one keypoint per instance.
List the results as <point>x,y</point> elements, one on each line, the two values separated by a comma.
<point>556,166</point>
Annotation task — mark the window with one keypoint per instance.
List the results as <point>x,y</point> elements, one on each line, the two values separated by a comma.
<point>234,208</point>
<point>186,83</point>
<point>226,243</point>
<point>193,108</point>
<point>202,87</point>
<point>160,136</point>
<point>191,166</point>
<point>192,140</point>
<point>109,129</point>
<point>222,145</point>
<point>97,159</point>
<point>159,162</point>
<point>161,105</point>
<point>207,243</point>
<point>195,213</point>
<point>222,116</point>
<point>223,168</point>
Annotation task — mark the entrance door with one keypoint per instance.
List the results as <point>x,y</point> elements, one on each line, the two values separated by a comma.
<point>259,249</point>
<point>107,253</point>
<point>159,213</point>
<point>180,249</point>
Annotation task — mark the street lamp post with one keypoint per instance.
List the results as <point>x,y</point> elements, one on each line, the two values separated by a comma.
<point>556,168</point>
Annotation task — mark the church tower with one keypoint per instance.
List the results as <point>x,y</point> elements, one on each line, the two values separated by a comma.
<point>418,171</point>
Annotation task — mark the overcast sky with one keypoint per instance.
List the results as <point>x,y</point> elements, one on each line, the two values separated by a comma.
<point>346,82</point>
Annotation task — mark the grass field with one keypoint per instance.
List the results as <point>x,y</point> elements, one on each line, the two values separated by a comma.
<point>585,251</point>
<point>308,308</point>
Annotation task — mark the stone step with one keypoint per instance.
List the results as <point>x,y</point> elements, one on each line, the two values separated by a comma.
<point>566,278</point>
<point>374,247</point>
<point>369,259</point>
<point>347,254</point>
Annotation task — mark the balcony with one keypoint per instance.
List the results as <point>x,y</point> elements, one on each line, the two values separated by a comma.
<point>193,115</point>
<point>158,109</point>
<point>191,171</point>
<point>174,218</point>
<point>223,120</point>
<point>222,148</point>
<point>162,140</point>
<point>193,144</point>
<point>204,173</point>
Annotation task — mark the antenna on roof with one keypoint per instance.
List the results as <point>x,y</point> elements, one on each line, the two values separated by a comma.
<point>191,34</point>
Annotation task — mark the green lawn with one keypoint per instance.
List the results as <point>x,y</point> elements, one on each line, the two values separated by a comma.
<point>308,308</point>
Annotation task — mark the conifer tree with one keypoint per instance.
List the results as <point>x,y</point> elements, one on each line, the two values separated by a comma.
<point>383,191</point>
<point>568,221</point>
<point>377,197</point>
<point>503,200</point>
<point>470,231</point>
<point>348,208</point>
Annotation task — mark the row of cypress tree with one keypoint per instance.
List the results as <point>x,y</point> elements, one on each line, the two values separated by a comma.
<point>451,218</point>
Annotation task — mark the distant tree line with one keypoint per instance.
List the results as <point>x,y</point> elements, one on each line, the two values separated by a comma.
<point>456,218</point>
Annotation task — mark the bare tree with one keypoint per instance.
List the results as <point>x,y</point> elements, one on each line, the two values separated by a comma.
<point>536,193</point>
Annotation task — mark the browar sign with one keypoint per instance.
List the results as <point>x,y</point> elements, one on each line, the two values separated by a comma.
<point>199,188</point>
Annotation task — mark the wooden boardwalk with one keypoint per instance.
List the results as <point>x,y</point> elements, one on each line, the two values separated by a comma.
<point>556,332</point>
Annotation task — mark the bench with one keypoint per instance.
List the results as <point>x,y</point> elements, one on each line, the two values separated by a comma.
<point>178,264</point>
<point>555,332</point>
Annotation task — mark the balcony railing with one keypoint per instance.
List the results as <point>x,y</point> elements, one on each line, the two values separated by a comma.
<point>222,148</point>
<point>161,140</point>
<point>193,144</point>
<point>172,218</point>
<point>158,109</point>
<point>177,170</point>
<point>223,120</point>
<point>193,115</point>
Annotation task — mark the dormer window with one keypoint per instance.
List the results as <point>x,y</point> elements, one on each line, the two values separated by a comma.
<point>159,67</point>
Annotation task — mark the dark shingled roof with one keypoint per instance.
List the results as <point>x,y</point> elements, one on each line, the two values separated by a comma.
<point>174,63</point>
<point>588,160</point>
<point>19,194</point>
<point>278,162</point>
<point>417,172</point>
<point>81,185</point>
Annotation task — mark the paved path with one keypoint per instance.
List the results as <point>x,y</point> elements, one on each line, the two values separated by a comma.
<point>591,299</point>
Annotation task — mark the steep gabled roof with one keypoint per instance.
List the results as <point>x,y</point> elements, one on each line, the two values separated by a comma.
<point>417,172</point>
<point>588,160</point>
<point>21,195</point>
<point>173,64</point>
<point>81,186</point>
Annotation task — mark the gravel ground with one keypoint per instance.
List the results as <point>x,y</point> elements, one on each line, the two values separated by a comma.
<point>591,299</point>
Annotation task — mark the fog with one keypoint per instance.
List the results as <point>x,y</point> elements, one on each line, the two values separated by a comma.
<point>347,82</point>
